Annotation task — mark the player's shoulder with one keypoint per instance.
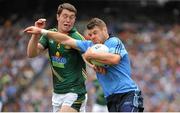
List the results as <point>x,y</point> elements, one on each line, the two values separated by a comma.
<point>53,29</point>
<point>76,35</point>
<point>79,36</point>
<point>114,39</point>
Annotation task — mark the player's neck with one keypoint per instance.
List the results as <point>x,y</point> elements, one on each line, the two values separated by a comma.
<point>63,32</point>
<point>106,37</point>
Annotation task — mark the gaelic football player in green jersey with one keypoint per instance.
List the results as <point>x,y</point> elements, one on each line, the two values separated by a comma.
<point>66,63</point>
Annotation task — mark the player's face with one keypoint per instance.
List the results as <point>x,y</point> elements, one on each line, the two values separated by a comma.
<point>96,35</point>
<point>66,21</point>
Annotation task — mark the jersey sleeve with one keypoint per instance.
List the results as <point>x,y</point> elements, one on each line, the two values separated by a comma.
<point>44,41</point>
<point>79,36</point>
<point>83,45</point>
<point>116,46</point>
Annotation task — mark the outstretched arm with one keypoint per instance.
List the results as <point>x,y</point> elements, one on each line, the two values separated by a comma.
<point>59,37</point>
<point>34,48</point>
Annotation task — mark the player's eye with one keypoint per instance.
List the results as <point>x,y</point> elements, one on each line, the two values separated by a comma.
<point>90,35</point>
<point>65,16</point>
<point>72,17</point>
<point>95,33</point>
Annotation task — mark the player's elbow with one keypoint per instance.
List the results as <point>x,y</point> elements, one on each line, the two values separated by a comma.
<point>115,60</point>
<point>30,55</point>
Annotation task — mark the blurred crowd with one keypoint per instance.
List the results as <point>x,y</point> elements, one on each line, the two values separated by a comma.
<point>155,54</point>
<point>21,87</point>
<point>26,85</point>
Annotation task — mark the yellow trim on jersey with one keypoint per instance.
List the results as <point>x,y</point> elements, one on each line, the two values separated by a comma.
<point>77,102</point>
<point>80,35</point>
<point>60,78</point>
<point>84,73</point>
<point>53,29</point>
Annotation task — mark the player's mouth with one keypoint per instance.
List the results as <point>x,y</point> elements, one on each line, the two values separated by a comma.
<point>95,41</point>
<point>67,25</point>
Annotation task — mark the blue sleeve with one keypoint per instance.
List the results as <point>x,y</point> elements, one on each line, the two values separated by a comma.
<point>83,45</point>
<point>116,46</point>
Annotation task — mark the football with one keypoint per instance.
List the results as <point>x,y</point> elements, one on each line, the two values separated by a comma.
<point>99,48</point>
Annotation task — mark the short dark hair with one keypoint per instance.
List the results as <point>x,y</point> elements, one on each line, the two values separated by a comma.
<point>67,6</point>
<point>96,22</point>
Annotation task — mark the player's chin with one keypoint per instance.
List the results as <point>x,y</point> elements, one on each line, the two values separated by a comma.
<point>67,28</point>
<point>95,42</point>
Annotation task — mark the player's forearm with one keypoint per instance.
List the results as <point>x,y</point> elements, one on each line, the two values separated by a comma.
<point>61,38</point>
<point>105,58</point>
<point>32,49</point>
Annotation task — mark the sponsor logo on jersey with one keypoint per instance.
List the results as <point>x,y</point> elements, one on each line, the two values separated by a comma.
<point>58,61</point>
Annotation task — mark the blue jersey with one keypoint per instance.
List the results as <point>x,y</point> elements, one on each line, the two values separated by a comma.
<point>118,77</point>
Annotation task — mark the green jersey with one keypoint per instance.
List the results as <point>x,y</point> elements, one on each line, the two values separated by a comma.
<point>67,65</point>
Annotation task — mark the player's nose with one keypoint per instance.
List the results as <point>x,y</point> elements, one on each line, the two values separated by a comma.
<point>92,37</point>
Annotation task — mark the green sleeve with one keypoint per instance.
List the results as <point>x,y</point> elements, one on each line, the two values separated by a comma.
<point>44,41</point>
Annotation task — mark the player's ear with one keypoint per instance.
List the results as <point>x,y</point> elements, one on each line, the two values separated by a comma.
<point>57,16</point>
<point>105,29</point>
